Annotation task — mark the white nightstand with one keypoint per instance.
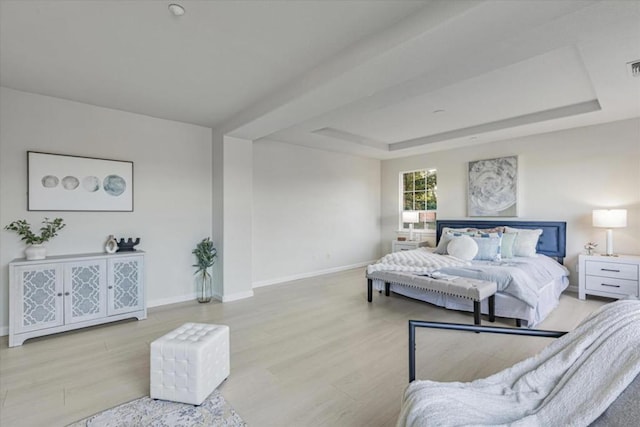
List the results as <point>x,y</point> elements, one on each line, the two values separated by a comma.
<point>406,245</point>
<point>607,276</point>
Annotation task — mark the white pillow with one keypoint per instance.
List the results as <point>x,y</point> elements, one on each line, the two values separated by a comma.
<point>444,239</point>
<point>526,241</point>
<point>463,247</point>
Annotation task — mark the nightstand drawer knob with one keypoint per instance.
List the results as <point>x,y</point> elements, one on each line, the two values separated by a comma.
<point>611,286</point>
<point>609,269</point>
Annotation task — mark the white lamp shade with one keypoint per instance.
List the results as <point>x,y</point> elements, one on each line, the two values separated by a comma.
<point>610,218</point>
<point>411,217</point>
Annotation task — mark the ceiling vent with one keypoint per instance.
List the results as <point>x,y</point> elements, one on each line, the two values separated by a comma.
<point>634,68</point>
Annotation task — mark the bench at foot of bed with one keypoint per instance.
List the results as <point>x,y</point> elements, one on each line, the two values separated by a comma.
<point>476,290</point>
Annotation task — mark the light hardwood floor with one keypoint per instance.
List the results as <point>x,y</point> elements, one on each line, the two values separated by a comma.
<point>307,353</point>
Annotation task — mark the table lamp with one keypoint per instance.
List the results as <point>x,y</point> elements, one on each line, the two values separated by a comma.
<point>610,218</point>
<point>410,217</point>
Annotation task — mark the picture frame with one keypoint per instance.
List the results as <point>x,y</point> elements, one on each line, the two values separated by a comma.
<point>61,182</point>
<point>493,187</point>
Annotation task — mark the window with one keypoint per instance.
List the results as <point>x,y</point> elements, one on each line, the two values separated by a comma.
<point>419,194</point>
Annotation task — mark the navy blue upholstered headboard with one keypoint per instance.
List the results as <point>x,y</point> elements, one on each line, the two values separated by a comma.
<point>552,242</point>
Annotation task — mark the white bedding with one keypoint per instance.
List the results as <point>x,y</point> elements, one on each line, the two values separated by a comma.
<point>547,389</point>
<point>520,277</point>
<point>418,261</point>
<point>528,287</point>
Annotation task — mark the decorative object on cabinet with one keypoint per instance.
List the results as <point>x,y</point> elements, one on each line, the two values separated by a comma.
<point>590,246</point>
<point>71,292</point>
<point>410,217</point>
<point>35,249</point>
<point>58,182</point>
<point>610,218</point>
<point>493,187</point>
<point>128,246</point>
<point>111,245</point>
<point>205,258</point>
<point>608,277</point>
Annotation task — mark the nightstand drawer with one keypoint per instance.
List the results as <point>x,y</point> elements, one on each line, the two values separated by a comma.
<point>405,246</point>
<point>612,269</point>
<point>611,285</point>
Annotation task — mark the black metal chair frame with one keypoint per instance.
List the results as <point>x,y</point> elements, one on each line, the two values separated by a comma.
<point>413,324</point>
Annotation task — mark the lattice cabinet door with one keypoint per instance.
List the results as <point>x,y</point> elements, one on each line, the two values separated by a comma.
<point>125,289</point>
<point>39,302</point>
<point>85,290</point>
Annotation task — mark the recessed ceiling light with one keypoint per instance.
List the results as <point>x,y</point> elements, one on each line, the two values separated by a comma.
<point>438,111</point>
<point>176,9</point>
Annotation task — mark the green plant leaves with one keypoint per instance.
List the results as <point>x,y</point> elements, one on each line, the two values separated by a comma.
<point>48,231</point>
<point>205,255</point>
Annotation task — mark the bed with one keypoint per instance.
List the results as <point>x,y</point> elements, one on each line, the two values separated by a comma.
<point>528,310</point>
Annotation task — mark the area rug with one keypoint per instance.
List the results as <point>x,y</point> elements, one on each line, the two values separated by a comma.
<point>214,411</point>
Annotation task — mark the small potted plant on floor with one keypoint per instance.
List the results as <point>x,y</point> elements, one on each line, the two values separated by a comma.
<point>205,258</point>
<point>36,248</point>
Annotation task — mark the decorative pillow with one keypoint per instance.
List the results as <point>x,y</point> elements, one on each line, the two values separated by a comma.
<point>485,234</point>
<point>463,247</point>
<point>488,247</point>
<point>491,230</point>
<point>526,241</point>
<point>444,239</point>
<point>506,248</point>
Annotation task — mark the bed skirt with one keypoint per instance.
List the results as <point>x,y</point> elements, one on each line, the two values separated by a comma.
<point>506,305</point>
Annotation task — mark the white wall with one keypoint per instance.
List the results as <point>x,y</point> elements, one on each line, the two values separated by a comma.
<point>562,176</point>
<point>172,178</point>
<point>313,211</point>
<point>232,218</point>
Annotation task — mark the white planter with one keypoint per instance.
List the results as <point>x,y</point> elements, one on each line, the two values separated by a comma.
<point>35,251</point>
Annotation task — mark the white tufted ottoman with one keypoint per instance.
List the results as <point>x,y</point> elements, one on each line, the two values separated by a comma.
<point>187,364</point>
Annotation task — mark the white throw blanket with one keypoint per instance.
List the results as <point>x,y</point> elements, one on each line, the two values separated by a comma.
<point>571,382</point>
<point>417,261</point>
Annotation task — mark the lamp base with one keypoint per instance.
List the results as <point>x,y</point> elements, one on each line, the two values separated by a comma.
<point>610,243</point>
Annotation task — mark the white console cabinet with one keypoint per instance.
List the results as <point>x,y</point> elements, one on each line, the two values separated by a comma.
<point>62,293</point>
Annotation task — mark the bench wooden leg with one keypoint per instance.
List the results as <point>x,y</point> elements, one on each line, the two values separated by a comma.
<point>476,312</point>
<point>492,308</point>
<point>369,289</point>
<point>387,288</point>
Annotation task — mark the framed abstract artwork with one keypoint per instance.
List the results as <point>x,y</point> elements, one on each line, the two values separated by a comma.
<point>493,187</point>
<point>58,182</point>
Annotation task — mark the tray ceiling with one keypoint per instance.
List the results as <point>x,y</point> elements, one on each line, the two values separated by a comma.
<point>375,78</point>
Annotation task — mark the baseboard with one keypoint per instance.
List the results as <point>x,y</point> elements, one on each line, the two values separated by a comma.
<point>4,331</point>
<point>171,300</point>
<point>310,274</point>
<point>572,288</point>
<point>237,296</point>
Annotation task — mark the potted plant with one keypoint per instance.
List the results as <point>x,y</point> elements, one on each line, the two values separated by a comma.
<point>205,258</point>
<point>48,231</point>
